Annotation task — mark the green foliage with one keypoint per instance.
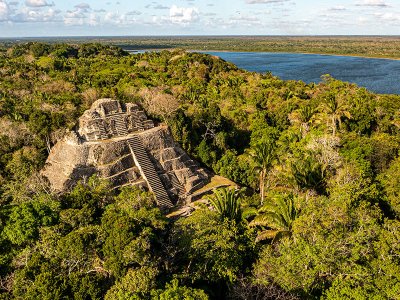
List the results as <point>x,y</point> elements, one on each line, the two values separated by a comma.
<point>278,215</point>
<point>390,181</point>
<point>181,130</point>
<point>206,154</point>
<point>61,257</point>
<point>373,153</point>
<point>129,232</point>
<point>338,245</point>
<point>24,162</point>
<point>136,284</point>
<point>309,173</point>
<point>235,167</point>
<point>25,220</point>
<point>334,109</point>
<point>329,150</point>
<point>175,292</point>
<point>226,202</point>
<point>385,283</point>
<point>263,155</point>
<point>212,249</point>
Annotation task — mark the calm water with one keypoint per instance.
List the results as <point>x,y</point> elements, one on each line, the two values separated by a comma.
<point>378,75</point>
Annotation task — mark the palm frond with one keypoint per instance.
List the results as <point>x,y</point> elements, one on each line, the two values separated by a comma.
<point>266,234</point>
<point>226,201</point>
<point>249,212</point>
<point>277,216</point>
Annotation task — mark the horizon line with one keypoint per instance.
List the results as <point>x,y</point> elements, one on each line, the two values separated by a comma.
<point>188,36</point>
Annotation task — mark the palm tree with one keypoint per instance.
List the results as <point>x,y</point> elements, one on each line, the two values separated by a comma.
<point>335,109</point>
<point>263,155</point>
<point>226,201</point>
<point>309,173</point>
<point>302,116</point>
<point>306,112</point>
<point>276,218</point>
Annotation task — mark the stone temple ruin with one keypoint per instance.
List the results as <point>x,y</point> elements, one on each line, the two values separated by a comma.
<point>119,143</point>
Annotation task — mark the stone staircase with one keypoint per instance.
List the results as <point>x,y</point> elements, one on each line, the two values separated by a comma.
<point>120,125</point>
<point>140,120</point>
<point>149,172</point>
<point>102,131</point>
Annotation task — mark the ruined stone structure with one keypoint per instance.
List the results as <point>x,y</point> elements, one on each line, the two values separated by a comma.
<point>119,143</point>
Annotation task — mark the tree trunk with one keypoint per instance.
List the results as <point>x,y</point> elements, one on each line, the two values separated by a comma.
<point>262,185</point>
<point>334,125</point>
<point>48,144</point>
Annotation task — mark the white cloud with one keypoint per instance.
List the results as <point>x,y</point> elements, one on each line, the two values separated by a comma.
<point>84,15</point>
<point>265,1</point>
<point>155,5</point>
<point>82,6</point>
<point>112,17</point>
<point>183,15</point>
<point>245,20</point>
<point>36,15</point>
<point>338,8</point>
<point>159,6</point>
<point>373,3</point>
<point>28,14</point>
<point>4,11</point>
<point>262,12</point>
<point>93,20</point>
<point>133,13</point>
<point>75,17</point>
<point>393,18</point>
<point>362,20</point>
<point>120,20</point>
<point>238,21</point>
<point>38,3</point>
<point>208,14</point>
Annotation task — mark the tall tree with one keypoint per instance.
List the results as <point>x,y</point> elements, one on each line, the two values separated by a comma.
<point>335,109</point>
<point>263,155</point>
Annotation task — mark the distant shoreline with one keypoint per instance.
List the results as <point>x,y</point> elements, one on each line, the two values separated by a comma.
<point>366,46</point>
<point>227,51</point>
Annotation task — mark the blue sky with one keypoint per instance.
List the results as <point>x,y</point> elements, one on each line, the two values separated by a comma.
<point>32,18</point>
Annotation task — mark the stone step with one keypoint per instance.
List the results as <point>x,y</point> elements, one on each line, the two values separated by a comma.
<point>149,172</point>
<point>121,172</point>
<point>120,126</point>
<point>102,131</point>
<point>177,185</point>
<point>148,124</point>
<point>177,158</point>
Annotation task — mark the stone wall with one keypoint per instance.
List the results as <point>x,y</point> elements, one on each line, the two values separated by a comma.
<point>109,118</point>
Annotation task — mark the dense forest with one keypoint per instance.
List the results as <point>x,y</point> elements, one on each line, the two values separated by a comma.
<point>317,217</point>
